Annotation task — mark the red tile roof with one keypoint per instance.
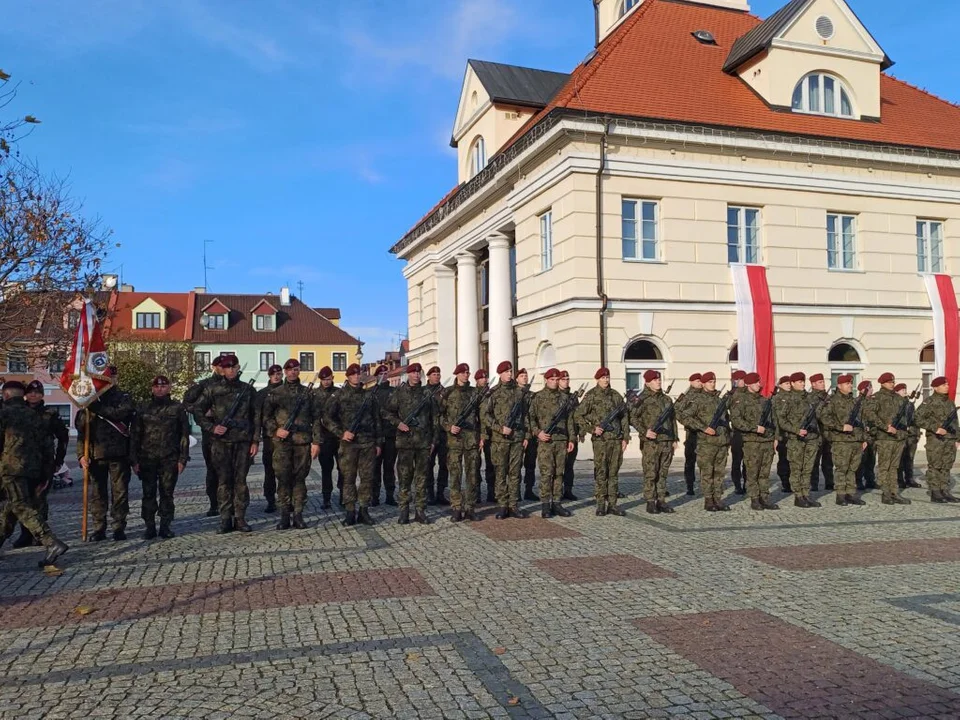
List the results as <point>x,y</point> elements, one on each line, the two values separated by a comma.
<point>179,310</point>
<point>329,313</point>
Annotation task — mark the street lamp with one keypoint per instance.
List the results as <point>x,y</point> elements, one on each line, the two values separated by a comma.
<point>359,351</point>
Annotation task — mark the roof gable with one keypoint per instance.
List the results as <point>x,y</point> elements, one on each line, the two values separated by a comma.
<point>259,308</point>
<point>516,85</point>
<point>215,307</point>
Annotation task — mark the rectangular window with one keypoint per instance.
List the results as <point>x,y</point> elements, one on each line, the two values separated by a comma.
<point>546,241</point>
<point>216,322</point>
<point>634,380</point>
<point>266,360</point>
<point>929,246</point>
<point>339,362</point>
<point>201,361</point>
<point>17,362</point>
<point>841,242</point>
<point>639,229</point>
<point>148,321</point>
<point>263,322</point>
<point>306,361</point>
<point>56,361</point>
<point>743,235</point>
<point>835,374</point>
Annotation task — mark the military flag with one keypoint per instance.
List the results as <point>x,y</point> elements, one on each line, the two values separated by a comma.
<point>84,378</point>
<point>755,342</point>
<point>946,328</point>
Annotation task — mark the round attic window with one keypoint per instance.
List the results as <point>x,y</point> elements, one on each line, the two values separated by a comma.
<point>824,27</point>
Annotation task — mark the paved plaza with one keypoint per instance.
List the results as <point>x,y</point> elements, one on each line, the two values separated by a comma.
<point>831,613</point>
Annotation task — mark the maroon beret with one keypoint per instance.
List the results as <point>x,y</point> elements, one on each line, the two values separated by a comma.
<point>937,382</point>
<point>816,378</point>
<point>602,372</point>
<point>414,367</point>
<point>35,386</point>
<point>160,380</point>
<point>480,374</point>
<point>217,361</point>
<point>564,375</point>
<point>887,377</point>
<point>738,375</point>
<point>798,377</point>
<point>551,373</point>
<point>291,364</point>
<point>14,385</point>
<point>433,371</point>
<point>863,386</point>
<point>651,375</point>
<point>708,376</point>
<point>228,361</point>
<point>695,377</point>
<point>521,371</point>
<point>381,369</point>
<point>354,369</point>
<point>273,369</point>
<point>751,378</point>
<point>844,379</point>
<point>784,380</point>
<point>461,368</point>
<point>504,366</point>
<point>900,386</point>
<point>326,372</point>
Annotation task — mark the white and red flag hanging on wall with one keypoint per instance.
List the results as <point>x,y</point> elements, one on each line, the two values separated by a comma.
<point>755,343</point>
<point>946,328</point>
<point>84,377</point>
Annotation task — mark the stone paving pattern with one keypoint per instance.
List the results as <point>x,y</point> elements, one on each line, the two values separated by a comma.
<point>580,617</point>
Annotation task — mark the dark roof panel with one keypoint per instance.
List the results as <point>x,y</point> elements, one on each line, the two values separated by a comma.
<point>519,85</point>
<point>760,37</point>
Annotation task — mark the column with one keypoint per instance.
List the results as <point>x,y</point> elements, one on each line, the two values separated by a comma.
<point>446,319</point>
<point>500,334</point>
<point>468,321</point>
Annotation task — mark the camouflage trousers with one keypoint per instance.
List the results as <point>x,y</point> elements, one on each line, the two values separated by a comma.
<point>530,464</point>
<point>905,471</point>
<point>758,457</point>
<point>568,468</point>
<point>357,462</point>
<point>384,470</point>
<point>291,464</point>
<point>507,461</point>
<point>941,454</point>
<point>889,453</point>
<point>328,458</point>
<point>552,459</point>
<point>231,462</point>
<point>159,478</point>
<point>607,458</point>
<point>712,461</point>
<point>801,454</point>
<point>463,466</point>
<point>117,472</point>
<point>19,506</point>
<point>269,474</point>
<point>412,472</point>
<point>846,460</point>
<point>211,483</point>
<point>657,456</point>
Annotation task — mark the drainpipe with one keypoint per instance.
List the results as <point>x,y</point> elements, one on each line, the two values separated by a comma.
<point>600,292</point>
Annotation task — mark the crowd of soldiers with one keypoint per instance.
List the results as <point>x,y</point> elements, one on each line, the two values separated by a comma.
<point>434,438</point>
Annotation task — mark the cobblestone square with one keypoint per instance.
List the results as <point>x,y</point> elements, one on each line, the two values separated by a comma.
<point>834,612</point>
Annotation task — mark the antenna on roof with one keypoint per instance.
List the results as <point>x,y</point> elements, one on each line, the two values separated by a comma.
<point>300,290</point>
<point>205,266</point>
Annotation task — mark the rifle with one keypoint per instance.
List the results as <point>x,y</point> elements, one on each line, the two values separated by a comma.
<point>898,419</point>
<point>228,421</point>
<point>358,418</point>
<point>766,415</point>
<point>853,419</point>
<point>916,393</point>
<point>717,420</point>
<point>412,420</point>
<point>662,418</point>
<point>564,410</point>
<point>478,397</point>
<point>950,424</point>
<point>669,388</point>
<point>811,416</point>
<point>301,398</point>
<point>607,423</point>
<point>516,412</point>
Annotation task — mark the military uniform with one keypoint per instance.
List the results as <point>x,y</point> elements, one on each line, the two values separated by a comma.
<point>292,403</point>
<point>690,438</point>
<point>847,447</point>
<point>384,470</point>
<point>266,454</point>
<point>597,404</point>
<point>413,446</point>
<point>823,460</point>
<point>190,398</point>
<point>881,411</point>
<point>711,449</point>
<point>651,406</point>
<point>358,456</point>
<point>932,415</point>
<point>866,471</point>
<point>801,451</point>
<point>571,458</point>
<point>230,452</point>
<point>737,466</point>
<point>463,462</point>
<point>329,448</point>
<point>437,481</point>
<point>530,457</point>
<point>159,441</point>
<point>780,398</point>
<point>905,471</point>
<point>551,455</point>
<point>506,451</point>
<point>57,436</point>
<point>752,412</point>
<point>110,420</point>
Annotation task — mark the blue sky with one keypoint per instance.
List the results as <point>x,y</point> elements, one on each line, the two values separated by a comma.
<point>303,137</point>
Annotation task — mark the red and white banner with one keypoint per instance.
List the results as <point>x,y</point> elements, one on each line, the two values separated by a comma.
<point>83,377</point>
<point>946,328</point>
<point>755,324</point>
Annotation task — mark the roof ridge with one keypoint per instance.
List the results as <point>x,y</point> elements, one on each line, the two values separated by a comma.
<point>926,92</point>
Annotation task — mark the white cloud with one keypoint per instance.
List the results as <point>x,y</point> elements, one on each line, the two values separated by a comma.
<point>252,45</point>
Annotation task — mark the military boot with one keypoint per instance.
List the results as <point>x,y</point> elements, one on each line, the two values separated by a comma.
<point>213,511</point>
<point>755,504</point>
<point>950,498</point>
<point>887,499</point>
<point>911,483</point>
<point>690,487</point>
<point>897,500</point>
<point>119,534</point>
<point>456,515</point>
<point>421,516</point>
<point>653,509</point>
<point>936,496</point>
<point>149,531</point>
<point>364,516</point>
<point>768,504</point>
<point>530,495</point>
<point>226,526</point>
<point>502,513</point>
<point>854,500</point>
<point>240,525</point>
<point>615,510</point>
<point>559,510</point>
<point>25,539</point>
<point>404,518</point>
<point>98,536</point>
<point>165,532</point>
<point>841,499</point>
<point>721,506</point>
<point>545,510</point>
<point>708,505</point>
<point>55,549</point>
<point>391,500</point>
<point>350,518</point>
<point>470,515</point>
<point>601,508</point>
<point>812,503</point>
<point>284,523</point>
<point>325,505</point>
<point>800,501</point>
<point>519,513</point>
<point>298,522</point>
<point>664,508</point>
<point>271,506</point>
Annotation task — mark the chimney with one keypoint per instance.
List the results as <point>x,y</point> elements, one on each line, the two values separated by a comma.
<point>126,288</point>
<point>200,290</point>
<point>284,296</point>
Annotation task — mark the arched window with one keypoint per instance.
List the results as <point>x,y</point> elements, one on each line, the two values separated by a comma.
<point>628,5</point>
<point>478,156</point>
<point>641,355</point>
<point>733,357</point>
<point>546,358</point>
<point>928,359</point>
<point>844,359</point>
<point>822,94</point>
<point>843,352</point>
<point>474,100</point>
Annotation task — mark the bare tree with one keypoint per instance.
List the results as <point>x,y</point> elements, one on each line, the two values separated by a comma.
<point>12,130</point>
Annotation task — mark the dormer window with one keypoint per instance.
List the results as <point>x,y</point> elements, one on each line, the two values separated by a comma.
<point>822,94</point>
<point>264,317</point>
<point>215,322</point>
<point>148,321</point>
<point>628,5</point>
<point>263,322</point>
<point>478,156</point>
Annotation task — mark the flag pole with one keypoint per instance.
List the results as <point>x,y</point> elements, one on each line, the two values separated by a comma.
<point>86,470</point>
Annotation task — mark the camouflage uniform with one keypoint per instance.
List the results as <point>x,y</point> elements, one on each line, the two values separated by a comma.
<point>823,460</point>
<point>757,447</point>
<point>109,456</point>
<point>530,455</point>
<point>230,452</point>
<point>463,448</point>
<point>879,413</point>
<point>608,447</point>
<point>159,440</point>
<point>437,484</point>
<point>941,449</point>
<point>711,449</point>
<point>737,465</point>
<point>291,456</point>
<point>780,398</point>
<point>329,446</point>
<point>24,456</point>
<point>801,451</point>
<point>384,471</point>
<point>266,455</point>
<point>905,471</point>
<point>572,455</point>
<point>847,447</point>
<point>506,450</point>
<point>680,408</point>
<point>657,454</point>
<point>551,456</point>
<point>357,457</point>
<point>57,437</point>
<point>190,397</point>
<point>413,447</point>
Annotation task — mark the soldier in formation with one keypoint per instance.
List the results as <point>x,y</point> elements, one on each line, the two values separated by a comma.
<point>437,484</point>
<point>654,418</point>
<point>843,428</point>
<point>274,380</point>
<point>159,451</point>
<point>564,384</point>
<point>781,394</point>
<point>737,465</point>
<point>551,423</point>
<point>866,470</point>
<point>604,415</point>
<point>530,452</point>
<point>905,471</point>
<point>504,421</point>
<point>329,443</point>
<point>713,441</point>
<point>412,412</point>
<point>384,470</point>
<point>823,460</point>
<point>937,416</point>
<point>190,397</point>
<point>460,420</point>
<point>885,413</point>
<point>690,435</point>
<point>755,419</point>
<point>487,475</point>
<point>798,419</point>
